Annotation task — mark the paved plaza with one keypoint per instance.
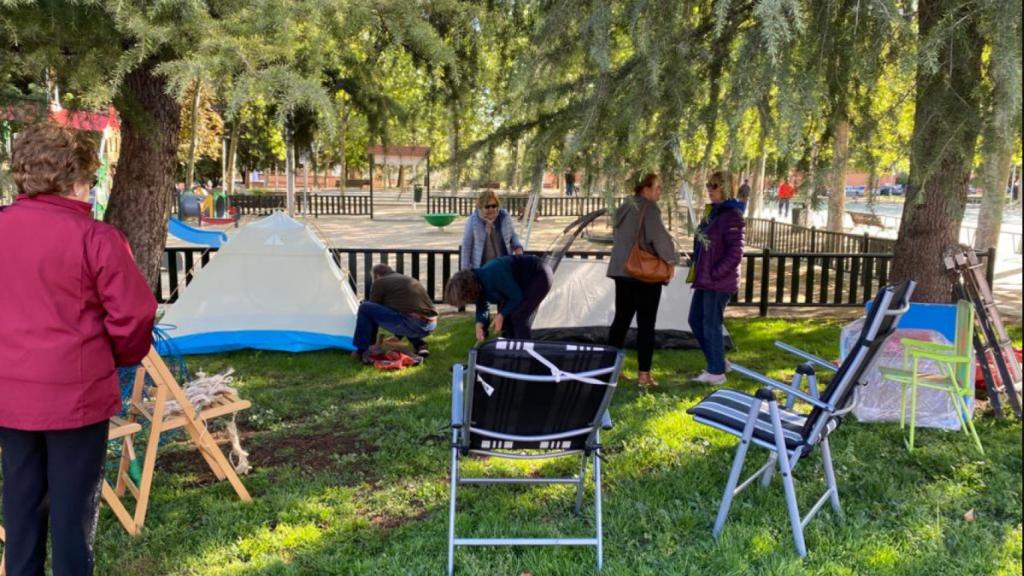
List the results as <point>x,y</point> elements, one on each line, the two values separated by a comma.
<point>399,224</point>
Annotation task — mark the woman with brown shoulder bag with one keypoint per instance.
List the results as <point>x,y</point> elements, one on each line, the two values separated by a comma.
<point>643,258</point>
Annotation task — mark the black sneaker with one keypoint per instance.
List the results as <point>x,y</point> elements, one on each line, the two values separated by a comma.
<point>423,351</point>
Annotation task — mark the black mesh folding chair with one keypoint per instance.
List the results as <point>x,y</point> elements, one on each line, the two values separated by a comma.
<point>789,435</point>
<point>532,400</point>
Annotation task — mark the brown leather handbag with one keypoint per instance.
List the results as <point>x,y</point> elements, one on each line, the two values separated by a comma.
<point>646,266</point>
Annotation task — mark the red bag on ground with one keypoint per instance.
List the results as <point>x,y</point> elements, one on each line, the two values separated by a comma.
<point>979,376</point>
<point>384,359</point>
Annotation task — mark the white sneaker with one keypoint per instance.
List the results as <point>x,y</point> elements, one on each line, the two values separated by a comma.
<point>709,378</point>
<point>728,366</point>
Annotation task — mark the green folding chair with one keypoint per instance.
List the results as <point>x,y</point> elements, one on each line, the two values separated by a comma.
<point>954,377</point>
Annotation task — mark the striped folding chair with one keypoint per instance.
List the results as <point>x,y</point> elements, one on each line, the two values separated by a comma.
<point>532,400</point>
<point>789,435</point>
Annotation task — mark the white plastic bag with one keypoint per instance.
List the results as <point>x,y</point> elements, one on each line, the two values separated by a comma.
<point>879,400</point>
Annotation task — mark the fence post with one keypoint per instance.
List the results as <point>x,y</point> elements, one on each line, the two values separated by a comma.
<point>765,263</point>
<point>865,243</point>
<point>814,239</point>
<point>990,267</point>
<point>771,234</point>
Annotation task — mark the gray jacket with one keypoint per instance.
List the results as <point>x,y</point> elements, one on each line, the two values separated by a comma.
<point>475,234</point>
<point>655,238</point>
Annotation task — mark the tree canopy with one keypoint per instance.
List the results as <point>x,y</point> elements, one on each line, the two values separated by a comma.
<point>505,89</point>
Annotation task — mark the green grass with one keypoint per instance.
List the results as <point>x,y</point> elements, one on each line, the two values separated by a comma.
<point>351,477</point>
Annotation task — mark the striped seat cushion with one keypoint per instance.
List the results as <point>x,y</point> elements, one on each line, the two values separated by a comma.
<point>729,408</point>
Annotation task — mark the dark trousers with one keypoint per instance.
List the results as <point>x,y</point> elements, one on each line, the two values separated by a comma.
<point>52,476</point>
<point>534,278</point>
<point>783,206</point>
<point>707,309</point>
<point>633,297</point>
<point>372,316</point>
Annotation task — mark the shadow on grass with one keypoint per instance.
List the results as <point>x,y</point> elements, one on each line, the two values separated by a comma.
<point>663,480</point>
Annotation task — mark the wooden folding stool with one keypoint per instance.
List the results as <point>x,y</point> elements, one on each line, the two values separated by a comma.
<point>166,388</point>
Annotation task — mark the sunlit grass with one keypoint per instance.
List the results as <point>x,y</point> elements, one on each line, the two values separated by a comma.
<point>369,493</point>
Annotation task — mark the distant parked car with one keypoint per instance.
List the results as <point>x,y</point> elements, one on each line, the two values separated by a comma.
<point>855,191</point>
<point>894,190</point>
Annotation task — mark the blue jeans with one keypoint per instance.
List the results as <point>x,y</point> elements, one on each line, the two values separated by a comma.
<point>372,316</point>
<point>706,310</point>
<point>783,206</point>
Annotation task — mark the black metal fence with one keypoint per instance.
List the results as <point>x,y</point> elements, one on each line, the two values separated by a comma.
<point>780,236</point>
<point>768,278</point>
<point>319,204</point>
<point>516,205</point>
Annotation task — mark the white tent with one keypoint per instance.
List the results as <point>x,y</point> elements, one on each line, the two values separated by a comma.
<point>274,286</point>
<point>581,307</point>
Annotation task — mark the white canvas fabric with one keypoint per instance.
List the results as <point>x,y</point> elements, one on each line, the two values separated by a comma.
<point>273,286</point>
<point>581,306</point>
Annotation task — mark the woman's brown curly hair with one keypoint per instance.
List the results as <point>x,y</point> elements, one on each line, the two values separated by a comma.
<point>462,288</point>
<point>50,159</point>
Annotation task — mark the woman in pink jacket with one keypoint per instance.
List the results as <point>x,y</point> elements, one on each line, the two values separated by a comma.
<point>73,307</point>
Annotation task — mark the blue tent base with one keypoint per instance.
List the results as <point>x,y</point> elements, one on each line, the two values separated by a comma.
<point>278,340</point>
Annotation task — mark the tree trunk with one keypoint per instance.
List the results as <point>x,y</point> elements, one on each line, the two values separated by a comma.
<point>995,172</point>
<point>342,135</point>
<point>1000,132</point>
<point>193,136</point>
<point>757,193</point>
<point>140,202</point>
<point>512,175</point>
<point>718,57</point>
<point>236,129</point>
<point>289,171</point>
<point>869,191</point>
<point>840,156</point>
<point>454,165</point>
<point>946,121</point>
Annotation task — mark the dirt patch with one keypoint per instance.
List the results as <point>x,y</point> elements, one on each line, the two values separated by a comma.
<point>388,522</point>
<point>320,451</point>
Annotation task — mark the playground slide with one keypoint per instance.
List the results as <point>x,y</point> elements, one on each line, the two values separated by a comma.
<point>182,231</point>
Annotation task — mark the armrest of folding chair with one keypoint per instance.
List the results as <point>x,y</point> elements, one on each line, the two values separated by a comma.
<point>771,382</point>
<point>815,360</point>
<point>912,344</point>
<point>939,355</point>
<point>606,421</point>
<point>457,371</point>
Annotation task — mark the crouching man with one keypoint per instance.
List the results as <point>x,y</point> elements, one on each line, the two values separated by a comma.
<point>398,304</point>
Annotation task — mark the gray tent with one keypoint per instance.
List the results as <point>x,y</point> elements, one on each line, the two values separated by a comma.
<point>581,306</point>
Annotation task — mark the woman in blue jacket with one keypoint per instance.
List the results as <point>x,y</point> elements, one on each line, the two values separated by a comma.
<point>489,233</point>
<point>517,284</point>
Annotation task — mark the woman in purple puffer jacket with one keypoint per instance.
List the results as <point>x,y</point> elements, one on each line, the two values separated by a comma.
<point>717,252</point>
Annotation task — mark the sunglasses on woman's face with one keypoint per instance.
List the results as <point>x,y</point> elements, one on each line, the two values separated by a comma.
<point>491,207</point>
<point>95,181</point>
<point>711,185</point>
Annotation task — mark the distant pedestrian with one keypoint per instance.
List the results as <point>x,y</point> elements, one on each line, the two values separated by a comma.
<point>489,233</point>
<point>717,252</point>
<point>634,297</point>
<point>570,182</point>
<point>743,194</point>
<point>517,284</point>
<point>786,193</point>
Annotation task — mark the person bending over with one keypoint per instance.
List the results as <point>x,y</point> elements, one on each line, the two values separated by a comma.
<point>400,305</point>
<point>517,284</point>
